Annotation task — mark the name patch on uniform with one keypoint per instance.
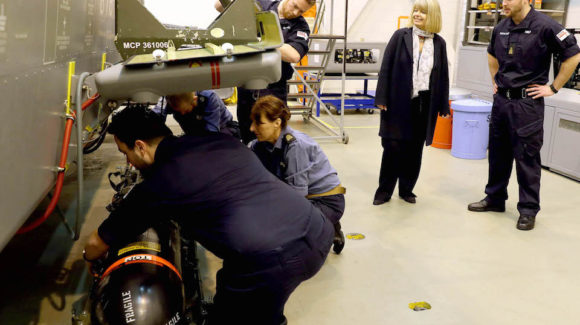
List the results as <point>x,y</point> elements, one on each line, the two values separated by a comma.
<point>302,35</point>
<point>528,32</point>
<point>504,33</point>
<point>562,35</point>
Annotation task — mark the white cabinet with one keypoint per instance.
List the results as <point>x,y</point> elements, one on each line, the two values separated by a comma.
<point>561,150</point>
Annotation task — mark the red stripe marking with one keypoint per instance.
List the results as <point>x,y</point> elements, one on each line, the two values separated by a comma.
<point>217,73</point>
<point>154,260</point>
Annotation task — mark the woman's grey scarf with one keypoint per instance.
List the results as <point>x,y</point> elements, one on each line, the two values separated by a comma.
<point>423,61</point>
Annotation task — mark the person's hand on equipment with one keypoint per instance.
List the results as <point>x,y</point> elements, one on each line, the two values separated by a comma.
<point>382,107</point>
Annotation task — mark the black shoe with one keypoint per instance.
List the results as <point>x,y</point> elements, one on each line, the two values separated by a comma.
<point>381,197</point>
<point>484,205</point>
<point>409,198</point>
<point>338,241</point>
<point>526,222</point>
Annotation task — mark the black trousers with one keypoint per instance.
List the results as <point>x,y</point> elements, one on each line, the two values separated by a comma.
<point>332,206</point>
<point>247,98</point>
<point>254,289</point>
<point>402,158</point>
<point>516,133</point>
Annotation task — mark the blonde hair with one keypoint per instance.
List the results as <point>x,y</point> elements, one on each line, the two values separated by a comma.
<point>431,7</point>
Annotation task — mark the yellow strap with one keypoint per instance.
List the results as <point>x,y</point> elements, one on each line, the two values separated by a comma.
<point>71,73</point>
<point>337,190</point>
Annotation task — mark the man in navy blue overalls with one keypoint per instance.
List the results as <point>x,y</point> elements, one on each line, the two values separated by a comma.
<point>519,57</point>
<point>269,236</point>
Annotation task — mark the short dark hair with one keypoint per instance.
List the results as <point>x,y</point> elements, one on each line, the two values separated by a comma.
<point>137,122</point>
<point>273,108</point>
<point>311,2</point>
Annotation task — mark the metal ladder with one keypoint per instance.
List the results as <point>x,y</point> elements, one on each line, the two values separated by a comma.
<point>314,76</point>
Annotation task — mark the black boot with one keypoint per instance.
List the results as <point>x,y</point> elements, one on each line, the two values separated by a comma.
<point>526,222</point>
<point>339,240</point>
<point>485,205</point>
<point>381,197</point>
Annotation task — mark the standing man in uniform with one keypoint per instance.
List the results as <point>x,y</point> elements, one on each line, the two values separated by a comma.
<point>269,236</point>
<point>296,32</point>
<point>519,57</point>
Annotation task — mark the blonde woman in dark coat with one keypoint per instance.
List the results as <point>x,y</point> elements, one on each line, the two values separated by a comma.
<point>413,88</point>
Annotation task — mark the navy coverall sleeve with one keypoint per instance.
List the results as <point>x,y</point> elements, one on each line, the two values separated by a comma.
<point>212,114</point>
<point>382,91</point>
<point>298,38</point>
<point>561,41</point>
<point>138,212</point>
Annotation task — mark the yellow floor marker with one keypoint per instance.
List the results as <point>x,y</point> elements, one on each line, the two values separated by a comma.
<point>355,236</point>
<point>418,306</point>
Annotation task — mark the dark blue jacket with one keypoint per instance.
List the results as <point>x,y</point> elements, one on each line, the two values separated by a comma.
<point>219,192</point>
<point>395,86</point>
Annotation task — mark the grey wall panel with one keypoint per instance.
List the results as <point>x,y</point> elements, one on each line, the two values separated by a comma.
<point>37,40</point>
<point>473,72</point>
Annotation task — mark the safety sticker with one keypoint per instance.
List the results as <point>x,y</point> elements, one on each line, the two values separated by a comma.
<point>128,307</point>
<point>140,259</point>
<point>418,306</point>
<point>355,236</point>
<point>140,245</point>
<point>174,320</point>
<point>563,34</point>
<point>302,35</point>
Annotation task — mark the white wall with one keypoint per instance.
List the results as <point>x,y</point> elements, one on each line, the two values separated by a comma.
<point>197,13</point>
<point>573,17</point>
<point>355,7</point>
<point>377,21</point>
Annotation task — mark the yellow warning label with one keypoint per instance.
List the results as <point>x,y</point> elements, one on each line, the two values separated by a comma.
<point>140,245</point>
<point>355,236</point>
<point>417,306</point>
<point>195,64</point>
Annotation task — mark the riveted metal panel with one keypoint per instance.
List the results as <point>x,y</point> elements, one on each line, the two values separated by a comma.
<point>37,40</point>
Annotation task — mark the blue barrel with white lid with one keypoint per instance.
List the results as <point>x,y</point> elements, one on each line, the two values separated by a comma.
<point>470,128</point>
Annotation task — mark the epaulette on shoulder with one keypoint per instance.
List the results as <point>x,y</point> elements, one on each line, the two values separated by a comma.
<point>289,138</point>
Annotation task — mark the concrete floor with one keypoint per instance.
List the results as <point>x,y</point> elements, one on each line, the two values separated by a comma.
<point>473,268</point>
